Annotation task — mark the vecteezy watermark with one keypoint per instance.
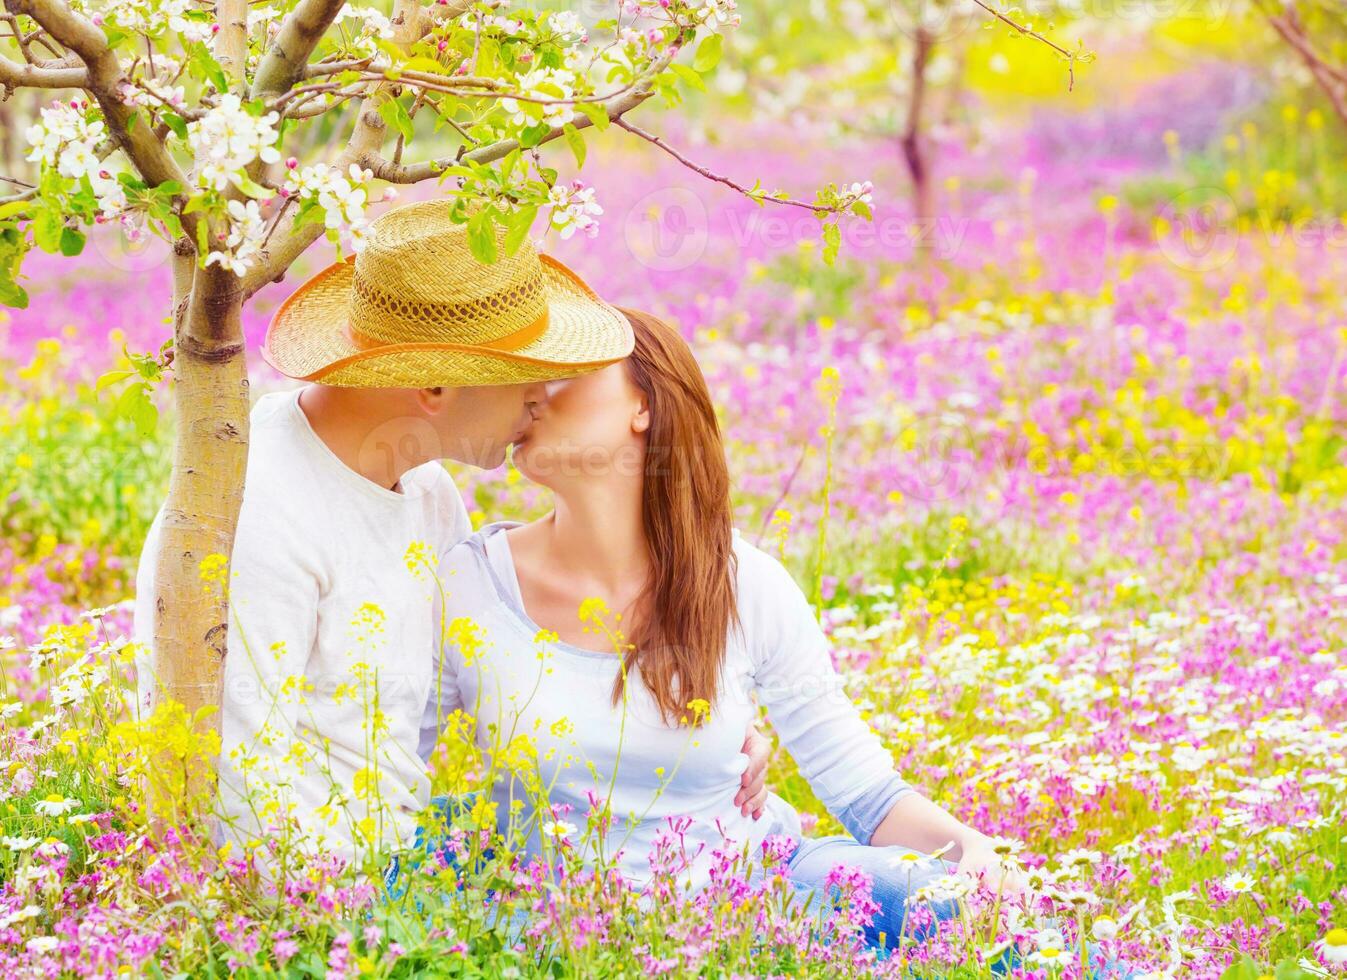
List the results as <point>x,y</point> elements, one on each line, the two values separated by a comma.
<point>1199,229</point>
<point>1196,229</point>
<point>938,459</point>
<point>936,22</point>
<point>405,438</point>
<point>670,229</point>
<point>145,252</point>
<point>667,229</point>
<point>944,235</point>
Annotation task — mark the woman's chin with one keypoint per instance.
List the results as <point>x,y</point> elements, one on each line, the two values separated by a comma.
<point>522,458</point>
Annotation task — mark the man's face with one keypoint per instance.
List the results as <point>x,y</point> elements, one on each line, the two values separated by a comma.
<point>478,424</point>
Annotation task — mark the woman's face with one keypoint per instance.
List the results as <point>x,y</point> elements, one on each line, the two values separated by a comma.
<point>587,428</point>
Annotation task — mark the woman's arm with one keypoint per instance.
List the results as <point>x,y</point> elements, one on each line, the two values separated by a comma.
<point>921,825</point>
<point>837,752</point>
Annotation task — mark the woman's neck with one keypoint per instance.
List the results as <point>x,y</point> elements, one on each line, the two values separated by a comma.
<point>599,536</point>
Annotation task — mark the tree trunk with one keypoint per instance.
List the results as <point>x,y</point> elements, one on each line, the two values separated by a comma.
<point>915,151</point>
<point>206,488</point>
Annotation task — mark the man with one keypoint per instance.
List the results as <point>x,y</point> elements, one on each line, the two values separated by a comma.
<point>415,352</point>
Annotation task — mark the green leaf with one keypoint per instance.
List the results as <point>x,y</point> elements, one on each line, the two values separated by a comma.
<point>251,187</point>
<point>576,142</point>
<point>207,68</point>
<point>176,123</point>
<point>126,404</point>
<point>47,225</point>
<point>424,64</point>
<point>174,224</point>
<point>12,294</point>
<point>863,209</point>
<point>144,415</point>
<point>310,212</point>
<point>688,75</point>
<point>533,135</point>
<point>597,113</point>
<point>135,404</point>
<point>519,224</point>
<point>72,241</point>
<point>13,208</point>
<point>202,240</point>
<point>482,236</point>
<point>507,165</point>
<point>458,170</point>
<point>111,378</point>
<point>1290,969</point>
<point>1241,969</point>
<point>396,116</point>
<point>832,241</point>
<point>488,58</point>
<point>708,53</point>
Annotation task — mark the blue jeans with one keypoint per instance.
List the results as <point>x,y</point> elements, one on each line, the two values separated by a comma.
<point>895,874</point>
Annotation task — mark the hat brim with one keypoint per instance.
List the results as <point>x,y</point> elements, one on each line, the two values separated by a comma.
<point>308,339</point>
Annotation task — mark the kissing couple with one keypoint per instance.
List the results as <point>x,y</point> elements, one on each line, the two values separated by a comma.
<point>630,635</point>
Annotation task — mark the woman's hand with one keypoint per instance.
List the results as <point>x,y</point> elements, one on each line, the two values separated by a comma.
<point>980,858</point>
<point>752,795</point>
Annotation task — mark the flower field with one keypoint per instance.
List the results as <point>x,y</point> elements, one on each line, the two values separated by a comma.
<point>1068,485</point>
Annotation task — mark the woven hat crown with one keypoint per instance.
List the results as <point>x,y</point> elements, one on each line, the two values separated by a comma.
<point>417,281</point>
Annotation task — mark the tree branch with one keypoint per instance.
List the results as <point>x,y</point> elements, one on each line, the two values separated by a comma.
<point>131,132</point>
<point>366,137</point>
<point>718,178</point>
<point>1331,81</point>
<point>14,75</point>
<point>286,58</point>
<point>1027,32</point>
<point>231,42</point>
<point>27,195</point>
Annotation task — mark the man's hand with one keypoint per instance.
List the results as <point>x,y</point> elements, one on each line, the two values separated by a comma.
<point>752,795</point>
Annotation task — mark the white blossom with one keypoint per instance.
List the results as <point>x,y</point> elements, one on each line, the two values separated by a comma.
<point>244,239</point>
<point>543,83</point>
<point>55,806</point>
<point>227,139</point>
<point>574,208</point>
<point>342,197</point>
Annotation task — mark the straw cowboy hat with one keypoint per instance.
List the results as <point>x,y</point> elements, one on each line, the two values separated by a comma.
<point>416,309</point>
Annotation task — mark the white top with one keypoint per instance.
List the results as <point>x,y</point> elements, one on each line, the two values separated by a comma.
<point>559,696</point>
<point>319,587</point>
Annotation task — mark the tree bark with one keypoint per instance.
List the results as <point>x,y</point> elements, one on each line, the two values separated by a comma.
<point>915,151</point>
<point>206,487</point>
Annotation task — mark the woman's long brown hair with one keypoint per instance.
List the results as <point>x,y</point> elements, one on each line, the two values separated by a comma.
<point>684,616</point>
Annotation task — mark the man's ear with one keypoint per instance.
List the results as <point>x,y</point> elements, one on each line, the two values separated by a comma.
<point>433,400</point>
<point>640,422</point>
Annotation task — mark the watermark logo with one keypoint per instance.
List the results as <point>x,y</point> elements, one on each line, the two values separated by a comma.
<point>667,230</point>
<point>1197,229</point>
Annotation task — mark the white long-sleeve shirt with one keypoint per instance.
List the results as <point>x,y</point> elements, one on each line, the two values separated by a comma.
<point>325,614</point>
<point>559,696</point>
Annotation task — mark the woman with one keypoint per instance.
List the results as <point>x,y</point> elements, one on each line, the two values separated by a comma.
<point>705,621</point>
